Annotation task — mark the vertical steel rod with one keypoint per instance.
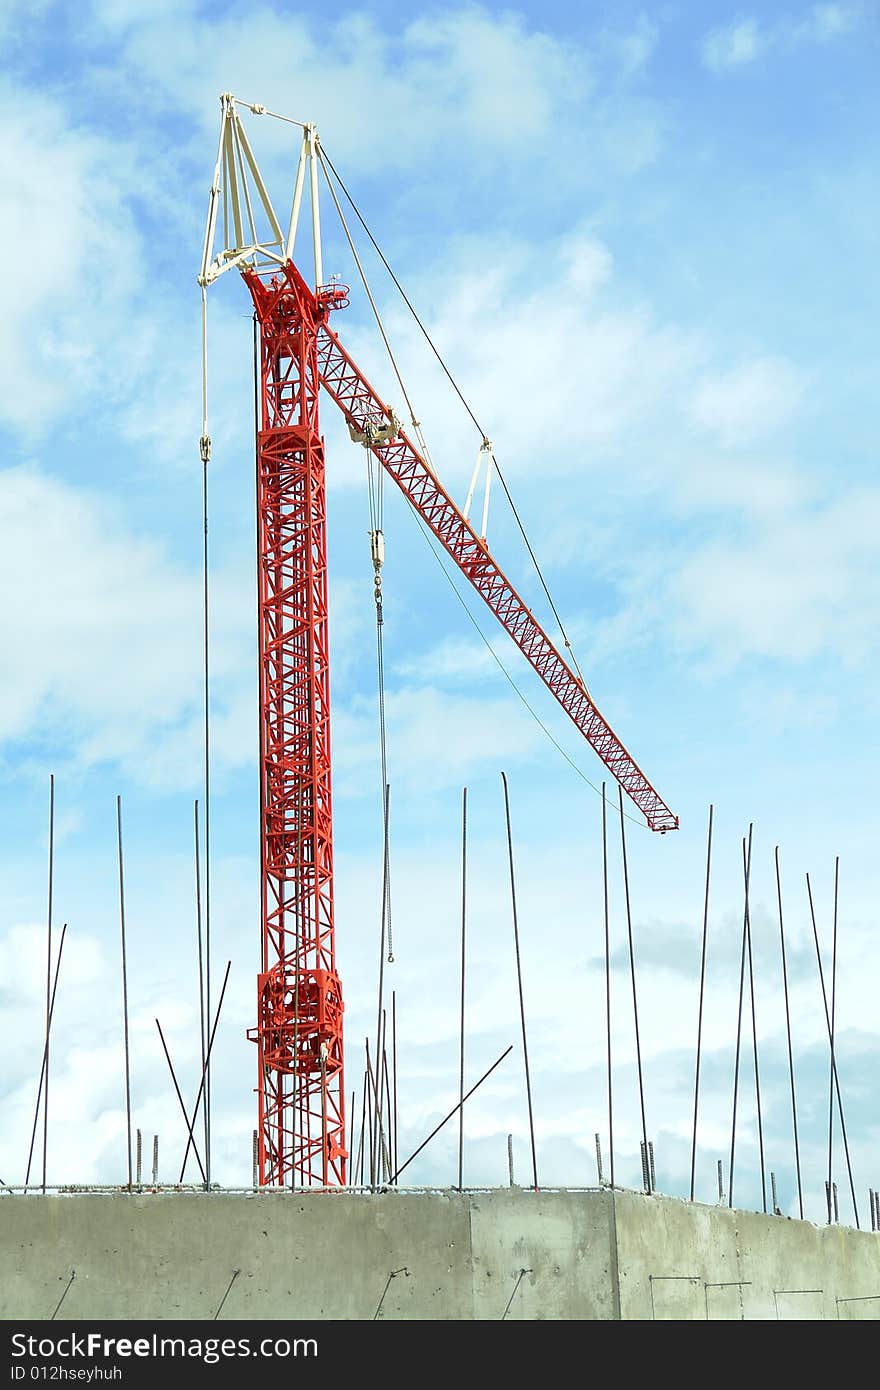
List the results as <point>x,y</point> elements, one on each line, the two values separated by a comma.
<point>359,1161</point>
<point>186,1119</point>
<point>447,1118</point>
<point>747,860</point>
<point>155,1160</point>
<point>49,973</point>
<point>833,1011</point>
<point>632,970</point>
<point>370,1115</point>
<point>510,1180</point>
<point>702,993</point>
<point>139,1157</point>
<point>45,1060</point>
<point>833,1059</point>
<point>384,1132</point>
<point>204,1077</point>
<point>380,1089</point>
<point>607,984</point>
<point>324,1153</point>
<point>394,1066</point>
<point>599,1172</point>
<point>207,752</point>
<point>461,1021</point>
<point>386,864</point>
<point>389,1111</point>
<point>348,1169</point>
<point>651,1173</point>
<point>201,961</point>
<point>519,981</point>
<point>755,1048</point>
<point>382,1160</point>
<point>124,983</point>
<point>797,1152</point>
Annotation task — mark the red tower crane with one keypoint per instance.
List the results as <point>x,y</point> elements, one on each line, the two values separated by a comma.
<point>299,1030</point>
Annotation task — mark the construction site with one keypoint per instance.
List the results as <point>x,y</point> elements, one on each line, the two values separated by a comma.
<point>736,1216</point>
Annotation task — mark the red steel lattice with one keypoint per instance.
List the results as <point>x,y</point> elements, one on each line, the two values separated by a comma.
<point>362,406</point>
<point>301,1139</point>
<point>299,1031</point>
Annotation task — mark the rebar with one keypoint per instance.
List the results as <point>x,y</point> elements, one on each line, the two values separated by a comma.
<point>632,969</point>
<point>461,1025</point>
<point>447,1118</point>
<point>747,862</point>
<point>45,1065</point>
<point>607,986</point>
<point>852,1187</point>
<point>755,1048</point>
<point>833,1013</point>
<point>124,985</point>
<point>702,993</point>
<point>519,980</point>
<point>204,1080</point>
<point>797,1152</point>
<point>48,983</point>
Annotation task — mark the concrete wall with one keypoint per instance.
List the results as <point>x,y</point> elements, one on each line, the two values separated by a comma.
<point>682,1261</point>
<point>562,1255</point>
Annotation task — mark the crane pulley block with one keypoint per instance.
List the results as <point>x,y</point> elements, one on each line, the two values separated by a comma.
<point>372,433</point>
<point>377,549</point>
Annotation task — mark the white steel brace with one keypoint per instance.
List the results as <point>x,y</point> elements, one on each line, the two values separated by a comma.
<point>251,233</point>
<point>485,453</point>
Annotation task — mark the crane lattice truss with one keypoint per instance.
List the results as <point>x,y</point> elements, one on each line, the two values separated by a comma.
<point>299,1031</point>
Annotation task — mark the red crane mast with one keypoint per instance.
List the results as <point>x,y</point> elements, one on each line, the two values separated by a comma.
<point>301,1134</point>
<point>299,1030</point>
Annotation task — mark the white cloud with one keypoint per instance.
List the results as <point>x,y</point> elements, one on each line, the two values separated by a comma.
<point>449,662</point>
<point>438,735</point>
<point>588,376</point>
<point>106,628</point>
<point>748,402</point>
<point>381,99</point>
<point>733,46</point>
<point>804,586</point>
<point>826,22</point>
<point>77,249</point>
<point>637,46</point>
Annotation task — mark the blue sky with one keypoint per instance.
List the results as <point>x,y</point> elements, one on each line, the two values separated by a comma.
<point>645,240</point>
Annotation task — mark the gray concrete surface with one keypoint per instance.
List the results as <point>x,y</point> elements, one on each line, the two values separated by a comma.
<point>551,1255</point>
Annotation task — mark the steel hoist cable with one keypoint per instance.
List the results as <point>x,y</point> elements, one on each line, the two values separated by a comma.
<point>429,541</point>
<point>328,163</point>
<point>328,167</point>
<point>376,494</point>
